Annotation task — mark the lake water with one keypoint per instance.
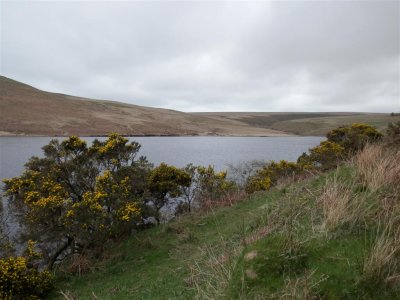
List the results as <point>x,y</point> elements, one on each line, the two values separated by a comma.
<point>178,151</point>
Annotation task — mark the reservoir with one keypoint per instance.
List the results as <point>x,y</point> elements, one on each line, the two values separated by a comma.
<point>178,151</point>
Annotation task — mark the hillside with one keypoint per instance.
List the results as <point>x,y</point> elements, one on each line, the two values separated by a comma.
<point>332,236</point>
<point>29,111</point>
<point>25,110</point>
<point>304,123</point>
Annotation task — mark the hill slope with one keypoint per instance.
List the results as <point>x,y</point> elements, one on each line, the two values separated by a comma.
<point>305,123</point>
<point>332,236</point>
<point>27,110</point>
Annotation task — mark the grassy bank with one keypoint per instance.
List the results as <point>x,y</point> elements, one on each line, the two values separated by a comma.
<point>335,235</point>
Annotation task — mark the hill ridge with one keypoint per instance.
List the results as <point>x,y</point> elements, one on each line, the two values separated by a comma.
<point>26,110</point>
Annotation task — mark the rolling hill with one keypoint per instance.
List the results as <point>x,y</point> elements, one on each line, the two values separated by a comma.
<point>29,111</point>
<point>25,110</point>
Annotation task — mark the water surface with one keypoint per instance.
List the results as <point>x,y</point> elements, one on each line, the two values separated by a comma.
<point>178,151</point>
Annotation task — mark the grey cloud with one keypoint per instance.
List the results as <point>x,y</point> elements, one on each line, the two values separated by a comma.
<point>210,56</point>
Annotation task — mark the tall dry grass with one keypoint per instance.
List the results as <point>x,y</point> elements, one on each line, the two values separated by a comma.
<point>303,287</point>
<point>228,199</point>
<point>378,167</point>
<point>211,275</point>
<point>382,264</point>
<point>339,205</point>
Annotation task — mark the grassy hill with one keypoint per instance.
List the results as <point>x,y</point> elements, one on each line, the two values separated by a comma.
<point>305,123</point>
<point>26,110</point>
<point>333,236</point>
<point>29,111</point>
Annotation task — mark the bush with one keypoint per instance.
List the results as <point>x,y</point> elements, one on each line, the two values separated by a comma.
<point>393,133</point>
<point>19,279</point>
<point>78,195</point>
<point>342,142</point>
<point>212,185</point>
<point>326,156</point>
<point>258,182</point>
<point>167,181</point>
<point>271,173</point>
<point>355,137</point>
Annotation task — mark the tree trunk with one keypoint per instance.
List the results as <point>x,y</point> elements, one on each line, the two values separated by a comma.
<point>60,250</point>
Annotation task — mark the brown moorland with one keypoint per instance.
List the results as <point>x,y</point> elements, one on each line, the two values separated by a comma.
<point>25,110</point>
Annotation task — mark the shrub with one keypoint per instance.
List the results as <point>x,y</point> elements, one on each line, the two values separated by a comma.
<point>167,181</point>
<point>211,185</point>
<point>79,195</point>
<point>19,279</point>
<point>355,137</point>
<point>258,183</point>
<point>208,188</point>
<point>271,173</point>
<point>326,156</point>
<point>393,133</point>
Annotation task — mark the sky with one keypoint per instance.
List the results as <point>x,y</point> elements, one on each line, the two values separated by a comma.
<point>208,55</point>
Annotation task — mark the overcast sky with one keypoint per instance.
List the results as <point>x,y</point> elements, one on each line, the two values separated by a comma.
<point>209,56</point>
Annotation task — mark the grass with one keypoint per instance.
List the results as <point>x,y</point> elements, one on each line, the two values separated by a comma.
<point>158,263</point>
<point>333,236</point>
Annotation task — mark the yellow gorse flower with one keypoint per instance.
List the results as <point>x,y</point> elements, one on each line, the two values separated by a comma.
<point>129,211</point>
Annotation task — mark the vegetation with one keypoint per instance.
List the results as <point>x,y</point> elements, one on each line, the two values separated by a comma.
<point>325,156</point>
<point>166,182</point>
<point>340,143</point>
<point>332,235</point>
<point>393,133</point>
<point>77,199</point>
<point>20,279</point>
<point>354,138</point>
<point>271,173</point>
<point>79,196</point>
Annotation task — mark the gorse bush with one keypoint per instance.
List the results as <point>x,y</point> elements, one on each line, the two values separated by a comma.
<point>274,172</point>
<point>79,196</point>
<point>212,185</point>
<point>165,182</point>
<point>340,143</point>
<point>355,137</point>
<point>19,279</point>
<point>271,173</point>
<point>325,156</point>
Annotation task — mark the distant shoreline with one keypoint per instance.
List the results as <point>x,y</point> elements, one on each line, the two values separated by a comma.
<point>9,134</point>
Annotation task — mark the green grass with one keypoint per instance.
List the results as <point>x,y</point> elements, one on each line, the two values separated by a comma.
<point>154,264</point>
<point>206,256</point>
